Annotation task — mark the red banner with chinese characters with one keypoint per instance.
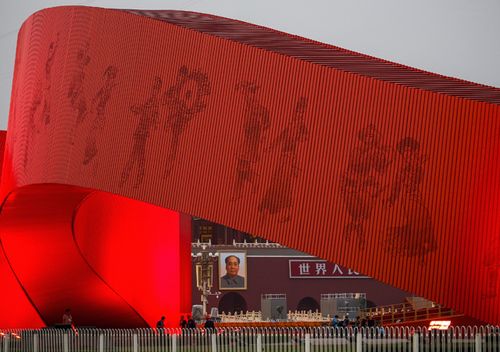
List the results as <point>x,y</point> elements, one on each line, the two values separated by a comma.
<point>320,269</point>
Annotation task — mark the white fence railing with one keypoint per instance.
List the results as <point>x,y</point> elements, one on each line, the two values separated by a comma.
<point>321,339</point>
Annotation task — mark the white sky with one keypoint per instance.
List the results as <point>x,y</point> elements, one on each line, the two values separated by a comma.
<point>458,38</point>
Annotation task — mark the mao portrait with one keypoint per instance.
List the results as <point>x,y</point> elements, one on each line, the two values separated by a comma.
<point>232,271</point>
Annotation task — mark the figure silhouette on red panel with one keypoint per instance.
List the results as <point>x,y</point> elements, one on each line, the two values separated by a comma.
<point>15,103</point>
<point>148,114</point>
<point>368,184</point>
<point>278,199</point>
<point>13,117</point>
<point>41,98</point>
<point>184,100</point>
<point>361,184</point>
<point>48,80</point>
<point>256,123</point>
<point>415,237</point>
<point>76,94</point>
<point>99,103</point>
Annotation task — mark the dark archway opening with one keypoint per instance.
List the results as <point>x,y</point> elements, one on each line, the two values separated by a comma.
<point>308,304</point>
<point>232,302</point>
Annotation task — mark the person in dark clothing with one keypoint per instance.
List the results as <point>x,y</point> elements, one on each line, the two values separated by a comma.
<point>161,323</point>
<point>67,319</point>
<point>183,322</point>
<point>209,323</point>
<point>191,323</point>
<point>346,321</point>
<point>357,323</point>
<point>371,322</point>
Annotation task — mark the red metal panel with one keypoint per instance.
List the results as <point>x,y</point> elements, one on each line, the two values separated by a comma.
<point>395,178</point>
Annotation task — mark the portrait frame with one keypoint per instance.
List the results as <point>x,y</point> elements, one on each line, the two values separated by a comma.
<point>242,255</point>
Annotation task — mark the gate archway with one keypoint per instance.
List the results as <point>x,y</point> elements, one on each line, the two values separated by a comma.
<point>308,304</point>
<point>232,302</point>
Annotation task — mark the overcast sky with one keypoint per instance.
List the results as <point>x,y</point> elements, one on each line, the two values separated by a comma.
<point>458,38</point>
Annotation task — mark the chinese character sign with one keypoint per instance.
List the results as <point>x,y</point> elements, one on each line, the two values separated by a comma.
<point>317,269</point>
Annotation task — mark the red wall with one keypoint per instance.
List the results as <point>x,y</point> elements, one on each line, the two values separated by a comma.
<point>393,179</point>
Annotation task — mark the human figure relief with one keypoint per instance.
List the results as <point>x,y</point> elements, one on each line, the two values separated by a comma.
<point>48,80</point>
<point>255,124</point>
<point>32,126</point>
<point>99,103</point>
<point>415,237</point>
<point>15,103</point>
<point>361,185</point>
<point>13,119</point>
<point>278,198</point>
<point>75,92</point>
<point>184,100</point>
<point>148,118</point>
<point>41,98</point>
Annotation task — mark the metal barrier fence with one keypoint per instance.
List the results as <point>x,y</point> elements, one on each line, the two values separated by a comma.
<point>323,339</point>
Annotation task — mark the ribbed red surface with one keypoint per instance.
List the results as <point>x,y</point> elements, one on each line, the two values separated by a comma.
<point>322,54</point>
<point>3,136</point>
<point>385,169</point>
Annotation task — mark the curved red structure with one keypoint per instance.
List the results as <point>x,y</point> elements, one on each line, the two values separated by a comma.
<point>116,262</point>
<point>382,168</point>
